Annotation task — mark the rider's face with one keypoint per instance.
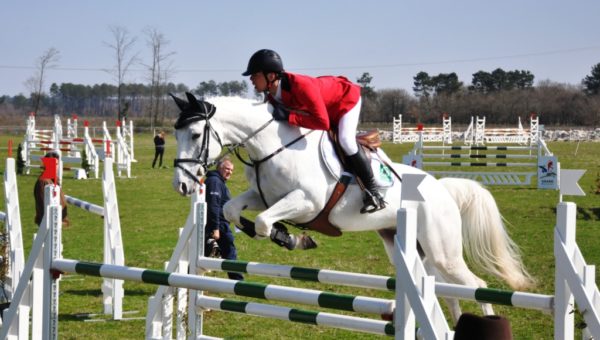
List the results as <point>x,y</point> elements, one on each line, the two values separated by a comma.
<point>259,81</point>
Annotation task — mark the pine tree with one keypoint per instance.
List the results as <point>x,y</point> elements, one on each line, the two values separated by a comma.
<point>84,163</point>
<point>20,161</point>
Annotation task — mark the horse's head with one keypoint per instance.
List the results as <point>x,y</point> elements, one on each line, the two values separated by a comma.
<point>195,152</point>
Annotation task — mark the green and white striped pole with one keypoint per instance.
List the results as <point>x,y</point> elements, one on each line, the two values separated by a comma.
<point>299,315</point>
<point>361,304</point>
<point>300,273</point>
<point>484,295</point>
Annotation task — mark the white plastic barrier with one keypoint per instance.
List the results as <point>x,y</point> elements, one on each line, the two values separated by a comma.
<point>402,134</point>
<point>537,159</point>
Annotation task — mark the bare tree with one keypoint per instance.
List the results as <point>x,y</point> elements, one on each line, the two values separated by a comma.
<point>160,70</point>
<point>36,82</point>
<point>124,57</point>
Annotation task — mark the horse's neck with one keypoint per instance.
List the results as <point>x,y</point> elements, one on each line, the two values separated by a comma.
<point>265,142</point>
<point>244,126</point>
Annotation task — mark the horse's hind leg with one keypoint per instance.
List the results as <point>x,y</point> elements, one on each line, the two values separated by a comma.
<point>456,271</point>
<point>387,237</point>
<point>453,304</point>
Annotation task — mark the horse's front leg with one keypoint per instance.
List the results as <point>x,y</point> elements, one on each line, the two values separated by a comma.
<point>291,206</point>
<point>246,200</point>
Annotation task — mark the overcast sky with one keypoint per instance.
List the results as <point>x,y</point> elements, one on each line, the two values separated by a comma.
<point>392,40</point>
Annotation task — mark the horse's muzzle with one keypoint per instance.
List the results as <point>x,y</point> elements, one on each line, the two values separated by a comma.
<point>183,189</point>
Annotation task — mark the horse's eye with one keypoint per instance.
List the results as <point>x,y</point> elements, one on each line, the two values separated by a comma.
<point>195,136</point>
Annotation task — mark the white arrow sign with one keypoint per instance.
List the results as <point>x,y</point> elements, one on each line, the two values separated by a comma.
<point>410,187</point>
<point>568,182</point>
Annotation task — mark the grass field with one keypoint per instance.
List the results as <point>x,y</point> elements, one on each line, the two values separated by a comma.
<point>151,214</point>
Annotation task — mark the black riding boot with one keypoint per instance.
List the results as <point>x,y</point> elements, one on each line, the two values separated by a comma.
<point>372,199</point>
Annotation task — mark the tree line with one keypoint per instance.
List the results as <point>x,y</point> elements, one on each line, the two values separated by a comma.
<point>102,100</point>
<point>501,96</point>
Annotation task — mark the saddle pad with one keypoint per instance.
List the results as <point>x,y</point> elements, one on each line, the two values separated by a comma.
<point>383,176</point>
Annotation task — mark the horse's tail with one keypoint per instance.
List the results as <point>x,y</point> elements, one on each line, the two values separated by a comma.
<point>485,239</point>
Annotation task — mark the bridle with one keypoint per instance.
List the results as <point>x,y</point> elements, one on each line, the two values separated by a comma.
<point>202,158</point>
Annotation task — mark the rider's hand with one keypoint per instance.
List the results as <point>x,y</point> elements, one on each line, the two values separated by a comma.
<point>216,234</point>
<point>280,113</point>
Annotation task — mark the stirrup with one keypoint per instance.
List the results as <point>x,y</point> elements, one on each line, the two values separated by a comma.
<point>372,203</point>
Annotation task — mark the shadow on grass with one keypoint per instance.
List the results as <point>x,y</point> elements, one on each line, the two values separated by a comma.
<point>586,214</point>
<point>98,292</point>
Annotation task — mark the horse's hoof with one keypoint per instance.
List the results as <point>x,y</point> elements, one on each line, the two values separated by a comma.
<point>306,242</point>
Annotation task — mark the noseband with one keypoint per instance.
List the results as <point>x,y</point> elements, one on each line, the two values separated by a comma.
<point>202,158</point>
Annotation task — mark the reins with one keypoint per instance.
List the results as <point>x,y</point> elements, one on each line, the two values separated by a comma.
<point>256,164</point>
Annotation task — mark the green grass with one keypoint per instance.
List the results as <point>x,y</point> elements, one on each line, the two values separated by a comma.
<point>151,214</point>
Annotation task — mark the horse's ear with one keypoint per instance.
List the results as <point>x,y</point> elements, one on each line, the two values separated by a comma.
<point>194,104</point>
<point>180,102</point>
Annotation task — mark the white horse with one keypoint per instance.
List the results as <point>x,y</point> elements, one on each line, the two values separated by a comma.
<point>295,186</point>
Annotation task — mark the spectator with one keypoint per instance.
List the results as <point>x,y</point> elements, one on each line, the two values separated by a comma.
<point>38,194</point>
<point>159,148</point>
<point>217,227</point>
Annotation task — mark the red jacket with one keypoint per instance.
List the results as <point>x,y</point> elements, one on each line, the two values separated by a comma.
<point>317,103</point>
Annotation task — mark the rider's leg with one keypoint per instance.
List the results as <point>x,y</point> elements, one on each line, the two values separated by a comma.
<point>372,200</point>
<point>358,160</point>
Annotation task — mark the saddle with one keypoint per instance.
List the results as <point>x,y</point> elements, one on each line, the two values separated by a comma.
<point>370,141</point>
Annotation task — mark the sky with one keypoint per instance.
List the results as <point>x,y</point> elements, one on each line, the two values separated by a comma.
<point>391,40</point>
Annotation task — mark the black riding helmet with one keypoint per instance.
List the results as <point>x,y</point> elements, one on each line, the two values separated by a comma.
<point>52,154</point>
<point>264,61</point>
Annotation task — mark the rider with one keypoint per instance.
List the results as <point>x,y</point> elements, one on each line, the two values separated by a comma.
<point>322,103</point>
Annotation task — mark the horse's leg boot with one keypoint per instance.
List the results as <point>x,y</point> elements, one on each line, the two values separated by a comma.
<point>281,237</point>
<point>372,200</point>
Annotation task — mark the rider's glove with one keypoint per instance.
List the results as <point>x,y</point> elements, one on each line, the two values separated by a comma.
<point>280,113</point>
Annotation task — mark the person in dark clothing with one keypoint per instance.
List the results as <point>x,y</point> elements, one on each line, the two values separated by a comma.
<point>159,148</point>
<point>217,227</point>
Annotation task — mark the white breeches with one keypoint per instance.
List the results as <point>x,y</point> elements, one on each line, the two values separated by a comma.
<point>347,130</point>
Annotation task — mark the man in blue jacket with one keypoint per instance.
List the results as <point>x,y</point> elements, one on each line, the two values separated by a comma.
<point>217,227</point>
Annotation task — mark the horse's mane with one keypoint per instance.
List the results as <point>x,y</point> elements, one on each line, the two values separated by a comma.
<point>234,102</point>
